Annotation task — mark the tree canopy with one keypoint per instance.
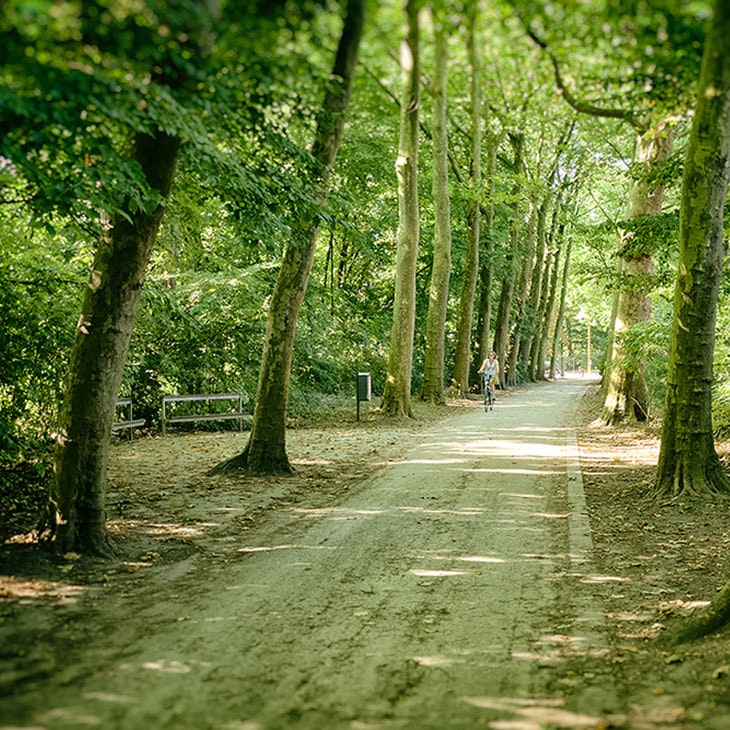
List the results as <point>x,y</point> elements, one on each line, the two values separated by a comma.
<point>566,96</point>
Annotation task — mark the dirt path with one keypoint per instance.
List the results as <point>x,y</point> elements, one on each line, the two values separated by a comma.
<point>452,591</point>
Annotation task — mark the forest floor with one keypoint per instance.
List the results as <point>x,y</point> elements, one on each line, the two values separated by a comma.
<point>180,532</point>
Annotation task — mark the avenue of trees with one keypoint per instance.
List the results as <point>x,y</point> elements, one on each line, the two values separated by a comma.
<point>208,196</point>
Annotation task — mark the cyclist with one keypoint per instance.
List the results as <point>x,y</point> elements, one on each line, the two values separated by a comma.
<point>490,371</point>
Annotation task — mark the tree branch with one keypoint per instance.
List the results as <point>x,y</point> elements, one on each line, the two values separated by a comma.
<point>585,107</point>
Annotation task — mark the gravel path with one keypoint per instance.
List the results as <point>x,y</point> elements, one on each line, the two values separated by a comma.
<point>454,590</point>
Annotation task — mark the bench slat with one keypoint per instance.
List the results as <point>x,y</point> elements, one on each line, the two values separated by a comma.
<point>204,417</point>
<point>193,417</point>
<point>137,423</point>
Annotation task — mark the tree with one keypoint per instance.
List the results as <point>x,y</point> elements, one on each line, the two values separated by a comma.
<point>688,462</point>
<point>463,357</point>
<point>396,400</point>
<point>432,388</point>
<point>486,263</point>
<point>502,321</point>
<point>77,510</point>
<point>265,452</point>
<point>624,383</point>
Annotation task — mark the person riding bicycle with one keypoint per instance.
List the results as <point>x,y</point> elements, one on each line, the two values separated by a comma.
<point>490,370</point>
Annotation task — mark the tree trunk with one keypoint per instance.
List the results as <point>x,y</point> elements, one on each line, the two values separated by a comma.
<point>109,311</point>
<point>546,298</point>
<point>396,399</point>
<point>561,308</point>
<point>463,355</point>
<point>504,310</point>
<point>432,389</point>
<point>627,385</point>
<point>688,462</point>
<point>484,313</point>
<point>536,294</point>
<point>265,452</point>
<point>522,288</point>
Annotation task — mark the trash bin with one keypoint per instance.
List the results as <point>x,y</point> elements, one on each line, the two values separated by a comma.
<point>364,390</point>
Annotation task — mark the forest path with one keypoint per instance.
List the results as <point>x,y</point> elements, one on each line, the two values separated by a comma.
<point>454,590</point>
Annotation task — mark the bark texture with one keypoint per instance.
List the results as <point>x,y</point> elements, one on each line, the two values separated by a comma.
<point>626,383</point>
<point>432,388</point>
<point>688,462</point>
<point>486,272</point>
<point>109,311</point>
<point>396,399</point>
<point>504,309</point>
<point>265,452</point>
<point>463,358</point>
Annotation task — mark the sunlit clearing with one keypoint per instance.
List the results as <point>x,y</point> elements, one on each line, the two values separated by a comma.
<point>499,447</point>
<point>439,573</point>
<point>12,587</point>
<point>433,661</point>
<point>465,512</point>
<point>634,616</point>
<point>270,548</point>
<point>528,472</point>
<point>163,665</point>
<point>480,559</point>
<point>520,495</point>
<point>469,558</point>
<point>434,461</point>
<point>600,579</point>
<point>108,697</point>
<point>179,530</point>
<point>562,640</point>
<point>337,512</point>
<point>533,714</point>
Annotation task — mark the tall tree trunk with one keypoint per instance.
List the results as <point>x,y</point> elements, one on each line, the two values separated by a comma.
<point>522,290</point>
<point>504,310</point>
<point>463,355</point>
<point>688,463</point>
<point>265,452</point>
<point>627,385</point>
<point>109,311</point>
<point>486,267</point>
<point>396,399</point>
<point>77,499</point>
<point>557,332</point>
<point>432,389</point>
<point>606,370</point>
<point>542,307</point>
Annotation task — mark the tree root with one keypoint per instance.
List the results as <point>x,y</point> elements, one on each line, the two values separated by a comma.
<point>703,623</point>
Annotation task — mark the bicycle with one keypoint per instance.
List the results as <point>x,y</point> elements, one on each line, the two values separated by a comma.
<point>488,394</point>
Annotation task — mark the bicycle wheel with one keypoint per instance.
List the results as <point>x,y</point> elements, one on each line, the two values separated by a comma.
<point>490,398</point>
<point>485,394</point>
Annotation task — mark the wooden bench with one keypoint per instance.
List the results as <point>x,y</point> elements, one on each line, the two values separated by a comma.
<point>234,398</point>
<point>131,422</point>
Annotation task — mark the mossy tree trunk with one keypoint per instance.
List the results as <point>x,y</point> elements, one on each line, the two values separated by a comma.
<point>265,451</point>
<point>688,462</point>
<point>626,382</point>
<point>396,399</point>
<point>432,389</point>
